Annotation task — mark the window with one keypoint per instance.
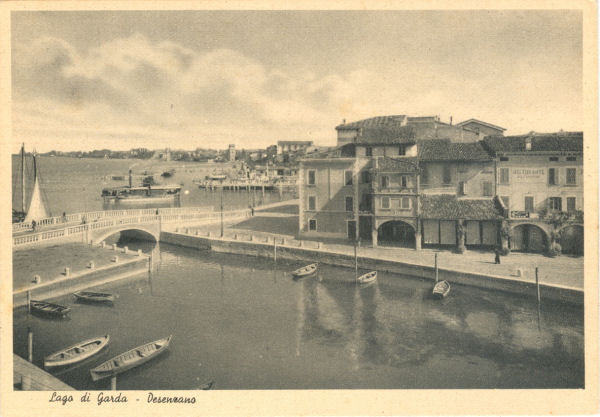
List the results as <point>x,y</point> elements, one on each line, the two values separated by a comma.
<point>348,177</point>
<point>571,176</point>
<point>447,175</point>
<point>312,225</point>
<point>555,203</point>
<point>365,177</point>
<point>424,175</point>
<point>552,176</point>
<point>403,181</point>
<point>487,188</point>
<point>571,158</point>
<point>312,180</point>
<point>402,150</point>
<point>506,201</point>
<point>529,203</point>
<point>504,176</point>
<point>462,188</point>
<point>385,181</point>
<point>312,202</point>
<point>553,158</point>
<point>385,202</point>
<point>571,203</point>
<point>349,204</point>
<point>405,202</point>
<point>369,151</point>
<point>503,158</point>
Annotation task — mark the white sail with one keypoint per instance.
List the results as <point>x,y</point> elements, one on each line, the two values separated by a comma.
<point>37,210</point>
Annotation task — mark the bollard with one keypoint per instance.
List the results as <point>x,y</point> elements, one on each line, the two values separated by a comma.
<point>519,272</point>
<point>235,236</point>
<point>67,271</point>
<point>91,265</point>
<point>139,252</point>
<point>251,238</point>
<point>103,244</point>
<point>115,259</point>
<point>125,249</point>
<point>28,301</point>
<point>319,245</point>
<point>436,269</point>
<point>113,383</point>
<point>537,284</point>
<point>30,344</point>
<point>114,246</point>
<point>301,245</point>
<point>25,383</point>
<point>283,241</point>
<point>209,234</point>
<point>37,279</point>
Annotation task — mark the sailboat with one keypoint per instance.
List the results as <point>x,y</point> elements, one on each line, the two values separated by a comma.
<point>36,209</point>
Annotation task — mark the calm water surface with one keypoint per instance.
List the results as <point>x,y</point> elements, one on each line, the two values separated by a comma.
<point>246,324</point>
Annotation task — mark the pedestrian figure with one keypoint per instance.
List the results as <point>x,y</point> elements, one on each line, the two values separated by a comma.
<point>497,259</point>
<point>33,225</point>
<point>252,210</point>
<point>64,217</point>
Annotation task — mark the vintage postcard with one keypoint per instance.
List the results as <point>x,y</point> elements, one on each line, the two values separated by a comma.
<point>299,208</point>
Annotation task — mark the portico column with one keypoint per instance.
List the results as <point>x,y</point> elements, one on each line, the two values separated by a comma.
<point>374,235</point>
<point>418,235</point>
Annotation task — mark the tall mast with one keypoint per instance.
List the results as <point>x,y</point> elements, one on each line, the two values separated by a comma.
<point>23,176</point>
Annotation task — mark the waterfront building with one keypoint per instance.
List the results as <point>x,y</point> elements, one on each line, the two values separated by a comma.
<point>293,146</point>
<point>539,177</point>
<point>483,128</point>
<point>373,186</point>
<point>231,152</point>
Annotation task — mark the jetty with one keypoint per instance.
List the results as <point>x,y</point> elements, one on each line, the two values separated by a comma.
<point>28,377</point>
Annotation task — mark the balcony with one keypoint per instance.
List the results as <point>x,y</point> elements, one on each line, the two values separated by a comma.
<point>392,189</point>
<point>395,212</point>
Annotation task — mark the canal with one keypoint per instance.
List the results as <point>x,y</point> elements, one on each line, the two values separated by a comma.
<point>244,323</point>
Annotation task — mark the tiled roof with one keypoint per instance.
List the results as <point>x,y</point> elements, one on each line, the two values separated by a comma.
<point>481,123</point>
<point>444,150</point>
<point>295,142</point>
<point>336,152</point>
<point>449,207</point>
<point>386,135</point>
<point>379,121</point>
<point>540,142</point>
<point>396,165</point>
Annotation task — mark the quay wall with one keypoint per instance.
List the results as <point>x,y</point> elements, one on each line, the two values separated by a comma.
<point>323,255</point>
<point>80,280</point>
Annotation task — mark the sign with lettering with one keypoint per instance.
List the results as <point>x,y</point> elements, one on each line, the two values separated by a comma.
<point>528,173</point>
<point>519,214</point>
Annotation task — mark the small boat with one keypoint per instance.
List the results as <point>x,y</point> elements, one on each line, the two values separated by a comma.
<point>367,278</point>
<point>94,297</point>
<point>206,386</point>
<point>305,271</point>
<point>441,289</point>
<point>49,308</point>
<point>76,353</point>
<point>130,359</point>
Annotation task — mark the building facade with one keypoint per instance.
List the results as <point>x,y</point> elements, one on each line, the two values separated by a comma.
<point>293,146</point>
<point>231,152</point>
<point>539,178</point>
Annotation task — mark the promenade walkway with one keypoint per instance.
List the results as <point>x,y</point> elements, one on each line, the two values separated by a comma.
<point>563,270</point>
<point>28,377</point>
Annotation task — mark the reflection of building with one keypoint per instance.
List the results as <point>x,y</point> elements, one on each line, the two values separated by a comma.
<point>231,152</point>
<point>539,178</point>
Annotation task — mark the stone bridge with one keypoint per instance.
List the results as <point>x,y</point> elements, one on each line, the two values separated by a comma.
<point>94,227</point>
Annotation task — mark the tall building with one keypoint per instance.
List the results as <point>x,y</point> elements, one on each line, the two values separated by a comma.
<point>231,153</point>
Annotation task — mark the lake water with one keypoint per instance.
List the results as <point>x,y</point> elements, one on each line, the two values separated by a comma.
<point>74,185</point>
<point>246,324</point>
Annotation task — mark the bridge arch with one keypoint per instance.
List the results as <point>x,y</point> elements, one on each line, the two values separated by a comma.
<point>140,230</point>
<point>396,233</point>
<point>529,237</point>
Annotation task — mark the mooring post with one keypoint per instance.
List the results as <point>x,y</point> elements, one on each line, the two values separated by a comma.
<point>436,269</point>
<point>537,284</point>
<point>275,249</point>
<point>113,383</point>
<point>355,259</point>
<point>30,344</point>
<point>28,301</point>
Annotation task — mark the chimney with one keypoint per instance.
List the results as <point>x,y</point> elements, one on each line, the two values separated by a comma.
<point>528,143</point>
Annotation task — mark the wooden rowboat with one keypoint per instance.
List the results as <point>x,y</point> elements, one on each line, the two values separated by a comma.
<point>94,297</point>
<point>305,271</point>
<point>130,359</point>
<point>367,278</point>
<point>206,386</point>
<point>49,309</point>
<point>441,289</point>
<point>76,353</point>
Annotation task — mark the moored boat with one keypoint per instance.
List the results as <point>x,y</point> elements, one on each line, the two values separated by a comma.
<point>130,359</point>
<point>441,289</point>
<point>94,297</point>
<point>49,309</point>
<point>77,352</point>
<point>367,278</point>
<point>305,271</point>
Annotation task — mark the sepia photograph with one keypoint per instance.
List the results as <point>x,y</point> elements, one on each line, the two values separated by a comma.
<point>298,201</point>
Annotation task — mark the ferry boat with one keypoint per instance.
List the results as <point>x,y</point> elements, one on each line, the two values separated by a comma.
<point>140,194</point>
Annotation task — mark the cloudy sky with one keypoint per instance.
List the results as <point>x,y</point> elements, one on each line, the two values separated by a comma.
<point>187,79</point>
